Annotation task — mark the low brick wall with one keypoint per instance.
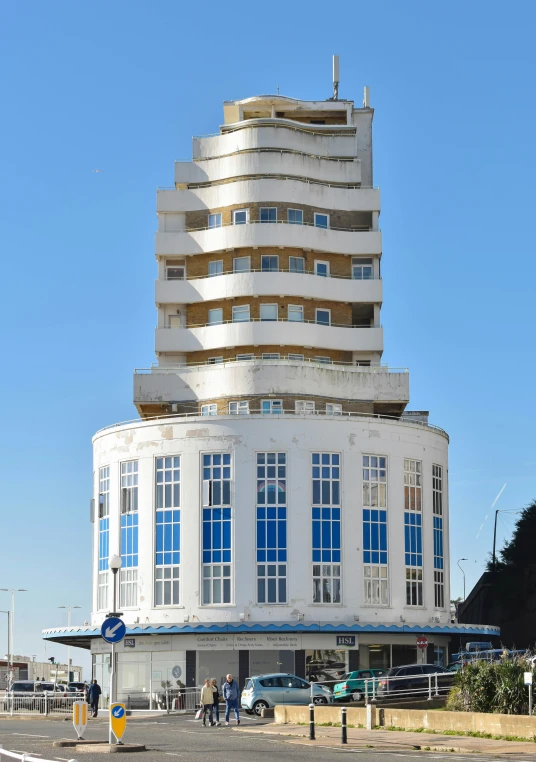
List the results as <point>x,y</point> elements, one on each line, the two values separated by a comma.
<point>412,719</point>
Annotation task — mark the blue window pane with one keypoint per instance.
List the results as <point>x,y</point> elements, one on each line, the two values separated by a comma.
<point>216,535</point>
<point>316,534</point>
<point>316,492</point>
<point>325,458</point>
<point>281,555</point>
<point>226,459</point>
<point>336,534</point>
<point>261,555</point>
<point>261,534</point>
<point>282,534</point>
<point>271,555</point>
<point>336,496</point>
<point>216,556</point>
<point>159,538</point>
<point>316,556</point>
<point>226,556</point>
<point>326,534</point>
<point>326,556</point>
<point>226,492</point>
<point>272,535</point>
<point>316,458</point>
<point>206,556</point>
<point>335,459</point>
<point>206,536</point>
<point>227,534</point>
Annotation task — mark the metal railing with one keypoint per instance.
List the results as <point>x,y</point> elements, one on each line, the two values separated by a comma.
<point>272,270</point>
<point>429,686</point>
<point>282,359</point>
<point>45,703</point>
<point>274,149</point>
<point>267,320</point>
<point>282,123</point>
<point>376,417</point>
<point>356,229</point>
<point>247,178</point>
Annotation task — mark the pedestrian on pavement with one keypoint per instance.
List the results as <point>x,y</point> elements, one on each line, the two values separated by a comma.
<point>216,701</point>
<point>230,694</point>
<point>207,702</point>
<point>93,695</point>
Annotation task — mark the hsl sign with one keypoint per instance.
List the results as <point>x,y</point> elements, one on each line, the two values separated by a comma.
<point>346,640</point>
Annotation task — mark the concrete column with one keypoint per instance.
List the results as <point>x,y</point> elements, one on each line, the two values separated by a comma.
<point>376,315</point>
<point>375,220</point>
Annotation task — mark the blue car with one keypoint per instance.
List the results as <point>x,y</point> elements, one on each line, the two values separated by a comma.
<point>265,691</point>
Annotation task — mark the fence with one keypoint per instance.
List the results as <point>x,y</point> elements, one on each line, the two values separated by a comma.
<point>428,685</point>
<point>167,700</point>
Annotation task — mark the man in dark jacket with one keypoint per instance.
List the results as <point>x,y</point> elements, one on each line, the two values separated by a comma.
<point>231,695</point>
<point>93,695</point>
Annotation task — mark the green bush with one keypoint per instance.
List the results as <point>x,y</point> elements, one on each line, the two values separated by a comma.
<point>496,687</point>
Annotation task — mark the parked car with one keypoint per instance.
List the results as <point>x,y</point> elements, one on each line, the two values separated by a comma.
<point>265,691</point>
<point>74,687</point>
<point>29,694</point>
<point>353,686</point>
<point>415,680</point>
<point>455,666</point>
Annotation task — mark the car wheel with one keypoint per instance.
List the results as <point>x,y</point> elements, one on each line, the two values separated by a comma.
<point>258,706</point>
<point>248,711</point>
<point>357,696</point>
<point>319,700</point>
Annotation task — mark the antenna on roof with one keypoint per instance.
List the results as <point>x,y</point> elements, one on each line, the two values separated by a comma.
<point>335,78</point>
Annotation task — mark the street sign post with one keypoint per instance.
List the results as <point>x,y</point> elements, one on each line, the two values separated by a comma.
<point>118,720</point>
<point>113,629</point>
<point>422,642</point>
<point>528,681</point>
<point>80,718</point>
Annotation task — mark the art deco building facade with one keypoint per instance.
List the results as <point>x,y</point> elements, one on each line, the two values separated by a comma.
<point>275,507</point>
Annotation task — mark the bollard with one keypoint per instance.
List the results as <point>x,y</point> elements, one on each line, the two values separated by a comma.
<point>344,732</point>
<point>311,722</point>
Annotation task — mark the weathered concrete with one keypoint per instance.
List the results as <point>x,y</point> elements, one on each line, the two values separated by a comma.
<point>100,747</point>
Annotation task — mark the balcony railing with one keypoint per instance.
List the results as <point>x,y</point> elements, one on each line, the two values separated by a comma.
<point>281,360</point>
<point>355,229</point>
<point>265,320</point>
<point>344,416</point>
<point>273,270</point>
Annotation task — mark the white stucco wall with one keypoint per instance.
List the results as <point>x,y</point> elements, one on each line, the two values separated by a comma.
<point>298,436</point>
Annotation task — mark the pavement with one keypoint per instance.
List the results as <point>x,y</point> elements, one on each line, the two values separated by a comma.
<point>255,740</point>
<point>390,740</point>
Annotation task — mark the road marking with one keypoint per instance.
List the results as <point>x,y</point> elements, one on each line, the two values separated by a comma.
<point>29,735</point>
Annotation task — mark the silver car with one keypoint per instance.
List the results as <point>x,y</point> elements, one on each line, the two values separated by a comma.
<point>265,691</point>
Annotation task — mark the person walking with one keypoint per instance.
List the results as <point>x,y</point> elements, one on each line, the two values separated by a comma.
<point>207,702</point>
<point>230,694</point>
<point>216,701</point>
<point>93,696</point>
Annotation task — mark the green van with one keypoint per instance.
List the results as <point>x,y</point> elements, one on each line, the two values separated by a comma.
<point>353,686</point>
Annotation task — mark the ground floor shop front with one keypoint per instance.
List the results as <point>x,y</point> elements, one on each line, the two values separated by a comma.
<point>148,664</point>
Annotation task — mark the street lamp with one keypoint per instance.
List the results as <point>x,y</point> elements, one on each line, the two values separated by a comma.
<point>68,647</point>
<point>12,647</point>
<point>114,563</point>
<point>462,571</point>
<point>3,611</point>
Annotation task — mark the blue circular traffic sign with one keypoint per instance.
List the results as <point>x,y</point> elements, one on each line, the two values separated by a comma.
<point>113,629</point>
<point>118,712</point>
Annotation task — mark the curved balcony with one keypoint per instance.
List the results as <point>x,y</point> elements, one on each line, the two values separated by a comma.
<point>281,332</point>
<point>278,235</point>
<point>294,192</point>
<point>303,285</point>
<point>289,164</point>
<point>257,377</point>
<point>282,136</point>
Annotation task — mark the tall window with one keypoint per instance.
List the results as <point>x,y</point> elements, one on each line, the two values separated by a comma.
<point>215,267</point>
<point>241,313</point>
<point>296,264</point>
<point>216,528</point>
<point>439,558</point>
<point>269,407</point>
<point>323,317</point>
<point>215,316</point>
<point>268,311</point>
<point>269,263</point>
<point>326,520</point>
<point>129,534</point>
<point>241,264</point>
<point>104,536</point>
<point>321,220</point>
<point>168,524</point>
<point>295,313</point>
<point>413,531</point>
<point>240,216</point>
<point>271,527</point>
<point>375,560</point>
<point>362,268</point>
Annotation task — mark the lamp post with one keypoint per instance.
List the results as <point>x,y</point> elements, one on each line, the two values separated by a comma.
<point>12,639</point>
<point>114,563</point>
<point>462,571</point>
<point>69,647</point>
<point>2,611</point>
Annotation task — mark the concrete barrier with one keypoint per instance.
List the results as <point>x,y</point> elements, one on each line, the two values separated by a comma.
<point>413,719</point>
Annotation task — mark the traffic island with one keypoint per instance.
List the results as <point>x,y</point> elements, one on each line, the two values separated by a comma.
<point>100,747</point>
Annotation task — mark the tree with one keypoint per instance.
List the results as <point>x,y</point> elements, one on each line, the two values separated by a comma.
<point>515,570</point>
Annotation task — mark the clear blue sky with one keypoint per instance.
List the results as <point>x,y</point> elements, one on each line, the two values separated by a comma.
<point>122,86</point>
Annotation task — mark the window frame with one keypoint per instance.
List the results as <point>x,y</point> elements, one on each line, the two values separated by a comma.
<point>296,259</point>
<point>241,309</point>
<point>236,212</point>
<point>295,308</point>
<point>295,357</point>
<point>270,269</point>
<point>217,360</point>
<point>267,209</point>
<point>296,211</point>
<point>322,309</point>
<point>304,406</point>
<point>240,259</point>
<point>336,408</point>
<point>328,270</point>
<point>246,357</point>
<point>220,269</point>
<point>213,221</point>
<point>263,306</point>
<point>210,315</point>
<point>180,264</point>
<point>242,407</point>
<point>362,262</point>
<point>270,403</point>
<point>321,214</point>
<point>209,409</point>
<point>271,356</point>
